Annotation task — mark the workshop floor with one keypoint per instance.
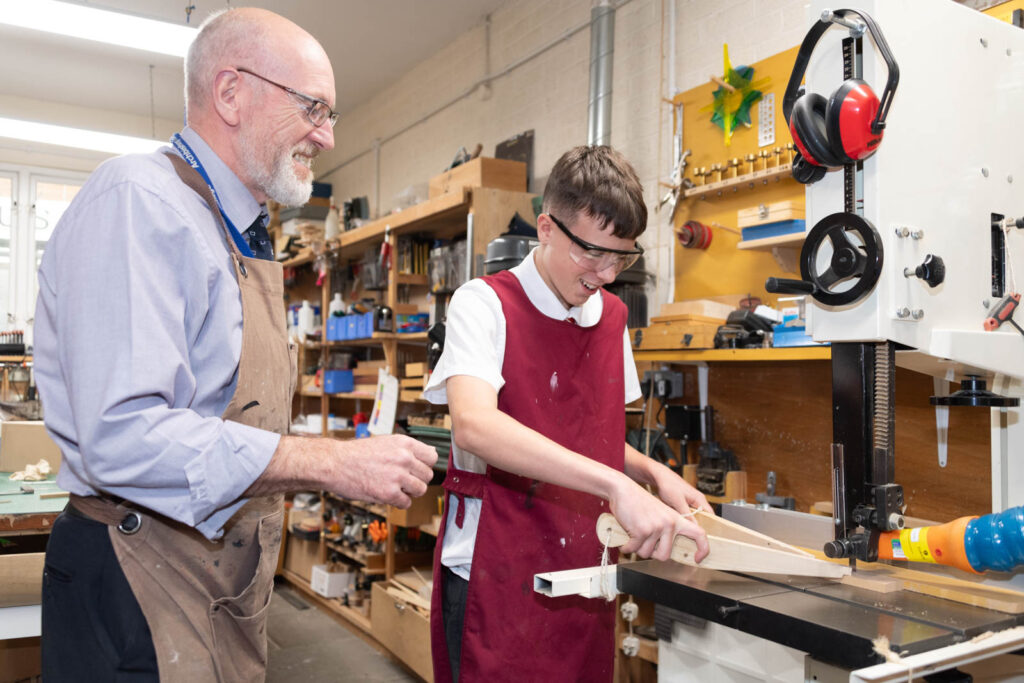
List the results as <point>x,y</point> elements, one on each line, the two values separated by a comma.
<point>306,644</point>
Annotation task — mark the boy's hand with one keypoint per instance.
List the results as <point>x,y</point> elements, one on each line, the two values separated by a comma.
<point>651,524</point>
<point>678,494</point>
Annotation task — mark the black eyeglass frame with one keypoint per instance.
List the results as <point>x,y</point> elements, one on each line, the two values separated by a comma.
<point>332,115</point>
<point>639,251</point>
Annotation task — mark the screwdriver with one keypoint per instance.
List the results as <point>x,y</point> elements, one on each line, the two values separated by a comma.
<point>1003,312</point>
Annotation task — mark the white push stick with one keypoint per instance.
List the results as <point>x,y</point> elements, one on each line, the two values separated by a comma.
<point>729,554</point>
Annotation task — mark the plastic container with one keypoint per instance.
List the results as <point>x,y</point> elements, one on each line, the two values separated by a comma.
<point>307,319</point>
<point>332,225</point>
<point>338,381</point>
<point>337,307</point>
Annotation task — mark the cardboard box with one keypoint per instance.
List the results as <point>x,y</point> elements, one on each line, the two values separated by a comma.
<point>26,443</point>
<point>21,579</point>
<point>21,660</point>
<point>500,174</point>
<point>331,584</point>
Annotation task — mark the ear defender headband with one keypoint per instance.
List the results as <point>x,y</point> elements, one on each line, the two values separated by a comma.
<point>848,126</point>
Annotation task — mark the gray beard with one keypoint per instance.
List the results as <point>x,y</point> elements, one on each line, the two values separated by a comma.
<point>277,181</point>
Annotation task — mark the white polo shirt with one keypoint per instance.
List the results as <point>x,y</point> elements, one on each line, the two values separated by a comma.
<point>474,345</point>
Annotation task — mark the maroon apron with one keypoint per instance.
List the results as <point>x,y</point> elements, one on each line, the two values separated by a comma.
<point>565,382</point>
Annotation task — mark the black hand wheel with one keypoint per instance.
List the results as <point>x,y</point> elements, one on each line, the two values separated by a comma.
<point>851,261</point>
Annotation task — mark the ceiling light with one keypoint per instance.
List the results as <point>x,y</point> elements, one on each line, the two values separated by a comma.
<point>76,137</point>
<point>79,21</point>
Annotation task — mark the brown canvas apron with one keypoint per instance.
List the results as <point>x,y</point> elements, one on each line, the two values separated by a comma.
<point>206,602</point>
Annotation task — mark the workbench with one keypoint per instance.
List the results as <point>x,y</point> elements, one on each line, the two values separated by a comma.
<point>24,516</point>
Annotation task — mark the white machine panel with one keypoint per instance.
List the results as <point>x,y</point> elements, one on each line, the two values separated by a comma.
<point>951,156</point>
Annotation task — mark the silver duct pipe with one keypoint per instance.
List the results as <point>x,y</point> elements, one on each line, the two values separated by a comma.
<point>602,49</point>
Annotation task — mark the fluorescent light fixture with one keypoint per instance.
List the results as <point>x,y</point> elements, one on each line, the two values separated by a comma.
<point>79,138</point>
<point>80,21</point>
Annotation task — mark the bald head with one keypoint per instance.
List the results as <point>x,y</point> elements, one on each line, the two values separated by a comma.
<point>246,36</point>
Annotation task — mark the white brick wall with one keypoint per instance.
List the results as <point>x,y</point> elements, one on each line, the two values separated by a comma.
<point>549,94</point>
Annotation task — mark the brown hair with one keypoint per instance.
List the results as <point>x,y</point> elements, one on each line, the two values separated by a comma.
<point>599,182</point>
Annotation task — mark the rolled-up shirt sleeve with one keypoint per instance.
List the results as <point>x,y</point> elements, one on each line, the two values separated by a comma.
<point>134,358</point>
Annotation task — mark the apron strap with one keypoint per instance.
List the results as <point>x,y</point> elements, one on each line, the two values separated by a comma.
<point>193,180</point>
<point>109,511</point>
<point>463,484</point>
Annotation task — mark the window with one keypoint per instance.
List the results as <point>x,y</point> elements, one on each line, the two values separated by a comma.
<point>32,200</point>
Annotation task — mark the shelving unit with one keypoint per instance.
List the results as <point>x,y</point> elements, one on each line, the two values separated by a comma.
<point>479,215</point>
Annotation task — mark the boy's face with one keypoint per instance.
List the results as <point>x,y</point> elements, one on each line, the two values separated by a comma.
<point>572,278</point>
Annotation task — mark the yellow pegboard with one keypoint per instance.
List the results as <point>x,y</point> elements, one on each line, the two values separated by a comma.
<point>722,269</point>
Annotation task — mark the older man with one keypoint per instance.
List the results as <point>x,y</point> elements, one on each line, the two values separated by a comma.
<point>163,363</point>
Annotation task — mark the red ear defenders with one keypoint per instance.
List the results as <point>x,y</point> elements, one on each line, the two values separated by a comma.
<point>847,126</point>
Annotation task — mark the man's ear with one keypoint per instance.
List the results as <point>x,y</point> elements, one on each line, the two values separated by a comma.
<point>544,228</point>
<point>225,96</point>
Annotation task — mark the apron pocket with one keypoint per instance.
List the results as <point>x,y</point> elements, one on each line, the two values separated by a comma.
<point>239,623</point>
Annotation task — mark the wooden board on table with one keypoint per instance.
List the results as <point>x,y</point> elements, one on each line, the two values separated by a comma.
<point>729,554</point>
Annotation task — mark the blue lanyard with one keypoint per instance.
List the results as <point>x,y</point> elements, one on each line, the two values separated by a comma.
<point>189,156</point>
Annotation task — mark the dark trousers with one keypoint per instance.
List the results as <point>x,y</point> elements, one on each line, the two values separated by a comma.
<point>453,607</point>
<point>93,627</point>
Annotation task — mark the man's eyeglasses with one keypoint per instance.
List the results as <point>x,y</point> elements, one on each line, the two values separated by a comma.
<point>593,257</point>
<point>317,111</point>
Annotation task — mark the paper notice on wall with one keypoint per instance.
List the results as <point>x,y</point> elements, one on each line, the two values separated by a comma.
<point>382,420</point>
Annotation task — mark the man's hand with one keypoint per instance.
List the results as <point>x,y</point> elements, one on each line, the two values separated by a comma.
<point>651,524</point>
<point>381,469</point>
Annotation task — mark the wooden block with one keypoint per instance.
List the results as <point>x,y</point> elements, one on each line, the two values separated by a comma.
<point>405,309</point>
<point>411,382</point>
<point>679,336</point>
<point>499,174</point>
<point>53,494</point>
<point>708,307</point>
<point>370,365</point>
<point>791,209</point>
<point>414,369</point>
<point>687,318</point>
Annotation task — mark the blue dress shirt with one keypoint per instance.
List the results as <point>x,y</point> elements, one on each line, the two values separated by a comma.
<point>138,334</point>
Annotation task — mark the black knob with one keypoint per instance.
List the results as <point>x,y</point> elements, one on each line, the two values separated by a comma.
<point>778,285</point>
<point>932,271</point>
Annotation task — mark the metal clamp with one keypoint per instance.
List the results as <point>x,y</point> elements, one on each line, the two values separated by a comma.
<point>856,28</point>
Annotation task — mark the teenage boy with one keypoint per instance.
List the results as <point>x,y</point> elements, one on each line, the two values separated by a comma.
<point>536,370</point>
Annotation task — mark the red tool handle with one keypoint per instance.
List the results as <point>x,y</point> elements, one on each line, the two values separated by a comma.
<point>1002,311</point>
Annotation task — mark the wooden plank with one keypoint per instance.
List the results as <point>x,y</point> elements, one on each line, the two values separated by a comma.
<point>708,307</point>
<point>727,554</point>
<point>21,579</point>
<point>404,594</point>
<point>723,528</point>
<point>687,318</point>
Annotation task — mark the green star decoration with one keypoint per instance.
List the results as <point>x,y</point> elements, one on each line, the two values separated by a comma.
<point>732,107</point>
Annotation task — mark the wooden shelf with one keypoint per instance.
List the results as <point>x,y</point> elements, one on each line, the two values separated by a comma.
<point>747,181</point>
<point>431,215</point>
<point>742,355</point>
<point>791,240</point>
<point>302,258</point>
<point>373,508</point>
<point>353,394</point>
